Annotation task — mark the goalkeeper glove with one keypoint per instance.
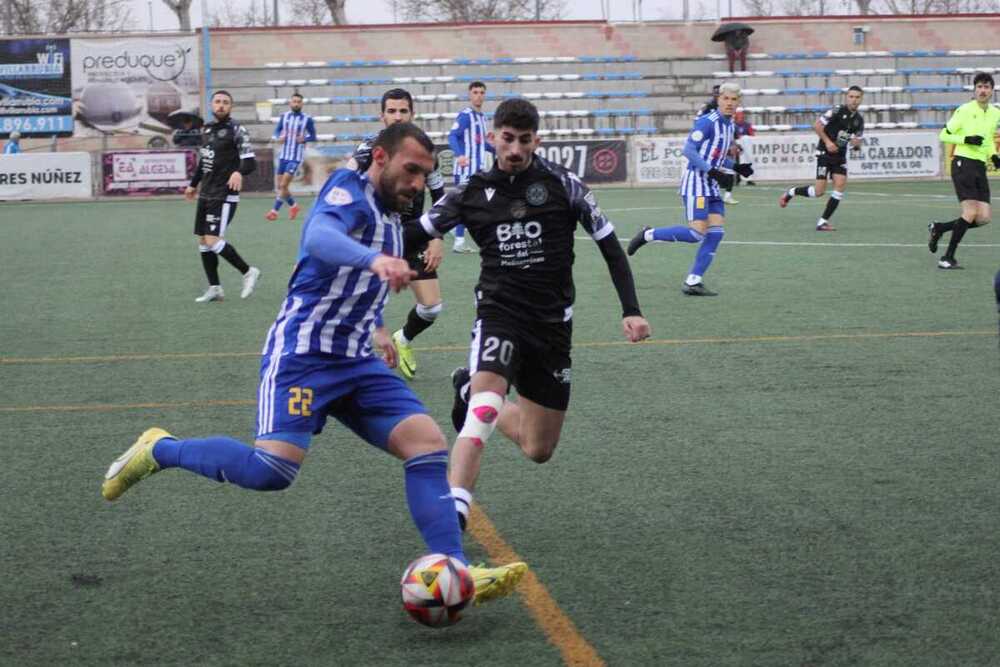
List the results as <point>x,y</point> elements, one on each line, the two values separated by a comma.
<point>996,161</point>
<point>745,170</point>
<point>725,181</point>
<point>974,140</point>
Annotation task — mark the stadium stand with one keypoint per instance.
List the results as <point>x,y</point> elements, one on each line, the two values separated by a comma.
<point>598,95</point>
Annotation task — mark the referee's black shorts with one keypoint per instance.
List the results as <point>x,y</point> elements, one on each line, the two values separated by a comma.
<point>969,177</point>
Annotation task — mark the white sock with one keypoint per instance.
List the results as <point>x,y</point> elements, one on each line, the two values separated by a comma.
<point>692,279</point>
<point>648,235</point>
<point>821,222</point>
<point>463,500</point>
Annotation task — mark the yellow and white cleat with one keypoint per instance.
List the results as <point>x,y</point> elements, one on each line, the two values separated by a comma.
<point>407,358</point>
<point>135,465</point>
<point>496,582</point>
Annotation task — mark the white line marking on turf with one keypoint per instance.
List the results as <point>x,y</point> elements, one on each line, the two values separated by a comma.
<point>815,243</point>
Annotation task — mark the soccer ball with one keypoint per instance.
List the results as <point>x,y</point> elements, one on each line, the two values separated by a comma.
<point>436,588</point>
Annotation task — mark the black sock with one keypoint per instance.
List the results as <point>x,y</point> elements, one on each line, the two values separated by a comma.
<point>802,190</point>
<point>831,205</point>
<point>210,261</point>
<point>943,227</point>
<point>230,255</point>
<point>415,325</point>
<point>956,237</point>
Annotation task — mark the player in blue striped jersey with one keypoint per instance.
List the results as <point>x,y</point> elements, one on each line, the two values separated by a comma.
<point>467,140</point>
<point>318,360</point>
<point>294,130</point>
<point>709,170</point>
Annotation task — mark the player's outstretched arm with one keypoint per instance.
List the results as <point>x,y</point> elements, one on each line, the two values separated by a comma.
<point>634,324</point>
<point>394,270</point>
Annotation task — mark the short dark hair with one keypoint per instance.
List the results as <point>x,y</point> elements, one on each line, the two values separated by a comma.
<point>393,136</point>
<point>223,92</point>
<point>518,113</point>
<point>297,94</point>
<point>857,88</point>
<point>397,94</point>
<point>477,84</point>
<point>983,77</point>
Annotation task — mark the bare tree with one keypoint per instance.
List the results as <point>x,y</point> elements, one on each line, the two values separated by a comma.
<point>182,8</point>
<point>309,12</point>
<point>337,11</point>
<point>26,17</point>
<point>472,11</point>
<point>255,15</point>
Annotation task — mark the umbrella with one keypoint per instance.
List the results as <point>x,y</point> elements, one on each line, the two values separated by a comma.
<point>177,118</point>
<point>720,33</point>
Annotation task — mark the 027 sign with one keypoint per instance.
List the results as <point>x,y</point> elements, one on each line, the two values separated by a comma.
<point>591,161</point>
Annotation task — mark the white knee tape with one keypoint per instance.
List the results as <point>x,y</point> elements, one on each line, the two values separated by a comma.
<point>218,246</point>
<point>481,418</point>
<point>429,313</point>
<point>837,194</point>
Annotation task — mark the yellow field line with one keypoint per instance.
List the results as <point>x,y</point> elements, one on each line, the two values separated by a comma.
<point>557,626</point>
<point>171,356</point>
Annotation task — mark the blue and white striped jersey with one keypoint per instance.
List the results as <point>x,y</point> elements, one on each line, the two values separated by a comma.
<point>331,309</point>
<point>294,124</point>
<point>711,137</point>
<point>468,137</point>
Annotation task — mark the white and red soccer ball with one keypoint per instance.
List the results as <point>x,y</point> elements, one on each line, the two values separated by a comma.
<point>436,588</point>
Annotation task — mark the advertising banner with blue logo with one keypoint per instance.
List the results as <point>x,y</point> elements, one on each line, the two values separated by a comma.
<point>35,87</point>
<point>131,86</point>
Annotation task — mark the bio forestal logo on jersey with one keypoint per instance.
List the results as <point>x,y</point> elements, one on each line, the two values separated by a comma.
<point>505,232</point>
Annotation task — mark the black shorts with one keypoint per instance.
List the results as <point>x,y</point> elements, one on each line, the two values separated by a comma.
<point>969,178</point>
<point>535,357</point>
<point>416,259</point>
<point>213,217</point>
<point>829,164</point>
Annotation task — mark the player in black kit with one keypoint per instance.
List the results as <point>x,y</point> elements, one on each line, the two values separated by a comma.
<point>424,258</point>
<point>839,128</point>
<point>522,215</point>
<point>225,157</point>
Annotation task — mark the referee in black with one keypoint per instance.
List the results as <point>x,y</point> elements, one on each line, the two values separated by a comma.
<point>971,128</point>
<point>225,157</point>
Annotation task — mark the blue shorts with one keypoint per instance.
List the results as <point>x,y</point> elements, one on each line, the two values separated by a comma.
<point>287,167</point>
<point>697,207</point>
<point>298,392</point>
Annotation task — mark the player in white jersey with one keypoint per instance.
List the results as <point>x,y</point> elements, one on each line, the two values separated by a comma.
<point>318,361</point>
<point>294,130</point>
<point>708,168</point>
<point>467,139</point>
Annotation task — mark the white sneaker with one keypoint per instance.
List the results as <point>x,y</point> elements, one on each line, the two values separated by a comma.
<point>213,293</point>
<point>250,281</point>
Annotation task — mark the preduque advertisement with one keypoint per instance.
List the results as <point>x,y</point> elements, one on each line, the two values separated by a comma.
<point>130,86</point>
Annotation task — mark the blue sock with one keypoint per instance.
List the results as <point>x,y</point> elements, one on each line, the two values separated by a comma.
<point>460,231</point>
<point>277,204</point>
<point>227,460</point>
<point>431,504</point>
<point>290,200</point>
<point>681,233</point>
<point>996,289</point>
<point>706,251</point>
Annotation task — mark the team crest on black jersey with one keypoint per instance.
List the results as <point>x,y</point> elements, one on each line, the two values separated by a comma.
<point>518,209</point>
<point>536,194</point>
<point>221,133</point>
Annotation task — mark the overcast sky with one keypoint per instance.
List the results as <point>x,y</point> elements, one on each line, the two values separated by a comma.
<point>380,11</point>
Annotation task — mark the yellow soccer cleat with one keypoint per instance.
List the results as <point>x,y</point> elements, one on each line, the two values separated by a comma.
<point>496,582</point>
<point>135,465</point>
<point>407,358</point>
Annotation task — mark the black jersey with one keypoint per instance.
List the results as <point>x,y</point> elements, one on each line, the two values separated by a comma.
<point>524,226</point>
<point>841,126</point>
<point>435,182</point>
<point>224,145</point>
